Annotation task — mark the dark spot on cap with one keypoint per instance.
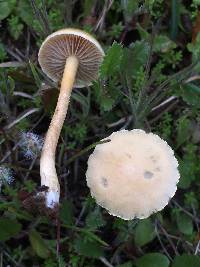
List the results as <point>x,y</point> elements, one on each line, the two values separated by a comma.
<point>153,158</point>
<point>104,181</point>
<point>128,155</point>
<point>148,175</point>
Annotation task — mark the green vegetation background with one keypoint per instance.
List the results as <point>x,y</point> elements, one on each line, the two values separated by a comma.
<point>149,79</point>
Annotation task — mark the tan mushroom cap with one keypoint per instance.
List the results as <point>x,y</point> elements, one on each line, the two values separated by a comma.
<point>58,46</point>
<point>133,175</point>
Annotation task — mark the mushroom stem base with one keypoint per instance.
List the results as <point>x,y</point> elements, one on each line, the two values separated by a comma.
<point>48,173</point>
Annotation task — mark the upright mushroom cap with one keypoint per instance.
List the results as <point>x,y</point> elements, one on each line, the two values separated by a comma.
<point>71,42</point>
<point>133,175</point>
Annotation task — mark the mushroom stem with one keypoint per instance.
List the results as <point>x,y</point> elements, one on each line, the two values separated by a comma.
<point>48,173</point>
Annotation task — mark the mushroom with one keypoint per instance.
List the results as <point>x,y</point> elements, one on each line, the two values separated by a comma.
<point>133,175</point>
<point>72,57</point>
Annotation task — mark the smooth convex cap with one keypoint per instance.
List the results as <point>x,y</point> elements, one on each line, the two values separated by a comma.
<point>133,175</point>
<point>58,46</point>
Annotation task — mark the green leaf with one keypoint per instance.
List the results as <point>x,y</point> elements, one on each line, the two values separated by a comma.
<point>183,130</point>
<point>186,260</point>
<point>190,94</point>
<point>144,232</point>
<point>153,260</point>
<point>95,220</point>
<point>38,244</point>
<point>8,228</point>
<point>88,248</point>
<point>162,44</point>
<point>107,96</point>
<point>135,57</point>
<point>5,9</point>
<point>66,213</point>
<point>189,165</point>
<point>15,27</point>
<point>184,223</point>
<point>107,103</point>
<point>112,60</point>
<point>25,12</point>
<point>187,174</point>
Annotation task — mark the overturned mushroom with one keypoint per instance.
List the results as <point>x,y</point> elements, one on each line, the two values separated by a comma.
<point>72,57</point>
<point>133,175</point>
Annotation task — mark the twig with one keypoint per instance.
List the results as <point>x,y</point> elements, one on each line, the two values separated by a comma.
<point>13,54</point>
<point>177,76</point>
<point>197,248</point>
<point>30,168</point>
<point>12,259</point>
<point>120,121</point>
<point>168,237</point>
<point>193,78</point>
<point>20,53</point>
<point>107,6</point>
<point>128,118</point>
<point>128,121</point>
<point>12,64</point>
<point>168,100</point>
<point>190,245</point>
<point>25,95</point>
<point>195,215</point>
<point>21,117</point>
<point>160,240</point>
<point>38,122</point>
<point>81,213</point>
<point>106,263</point>
<point>17,168</point>
<point>170,107</point>
<point>186,211</point>
<point>9,153</point>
